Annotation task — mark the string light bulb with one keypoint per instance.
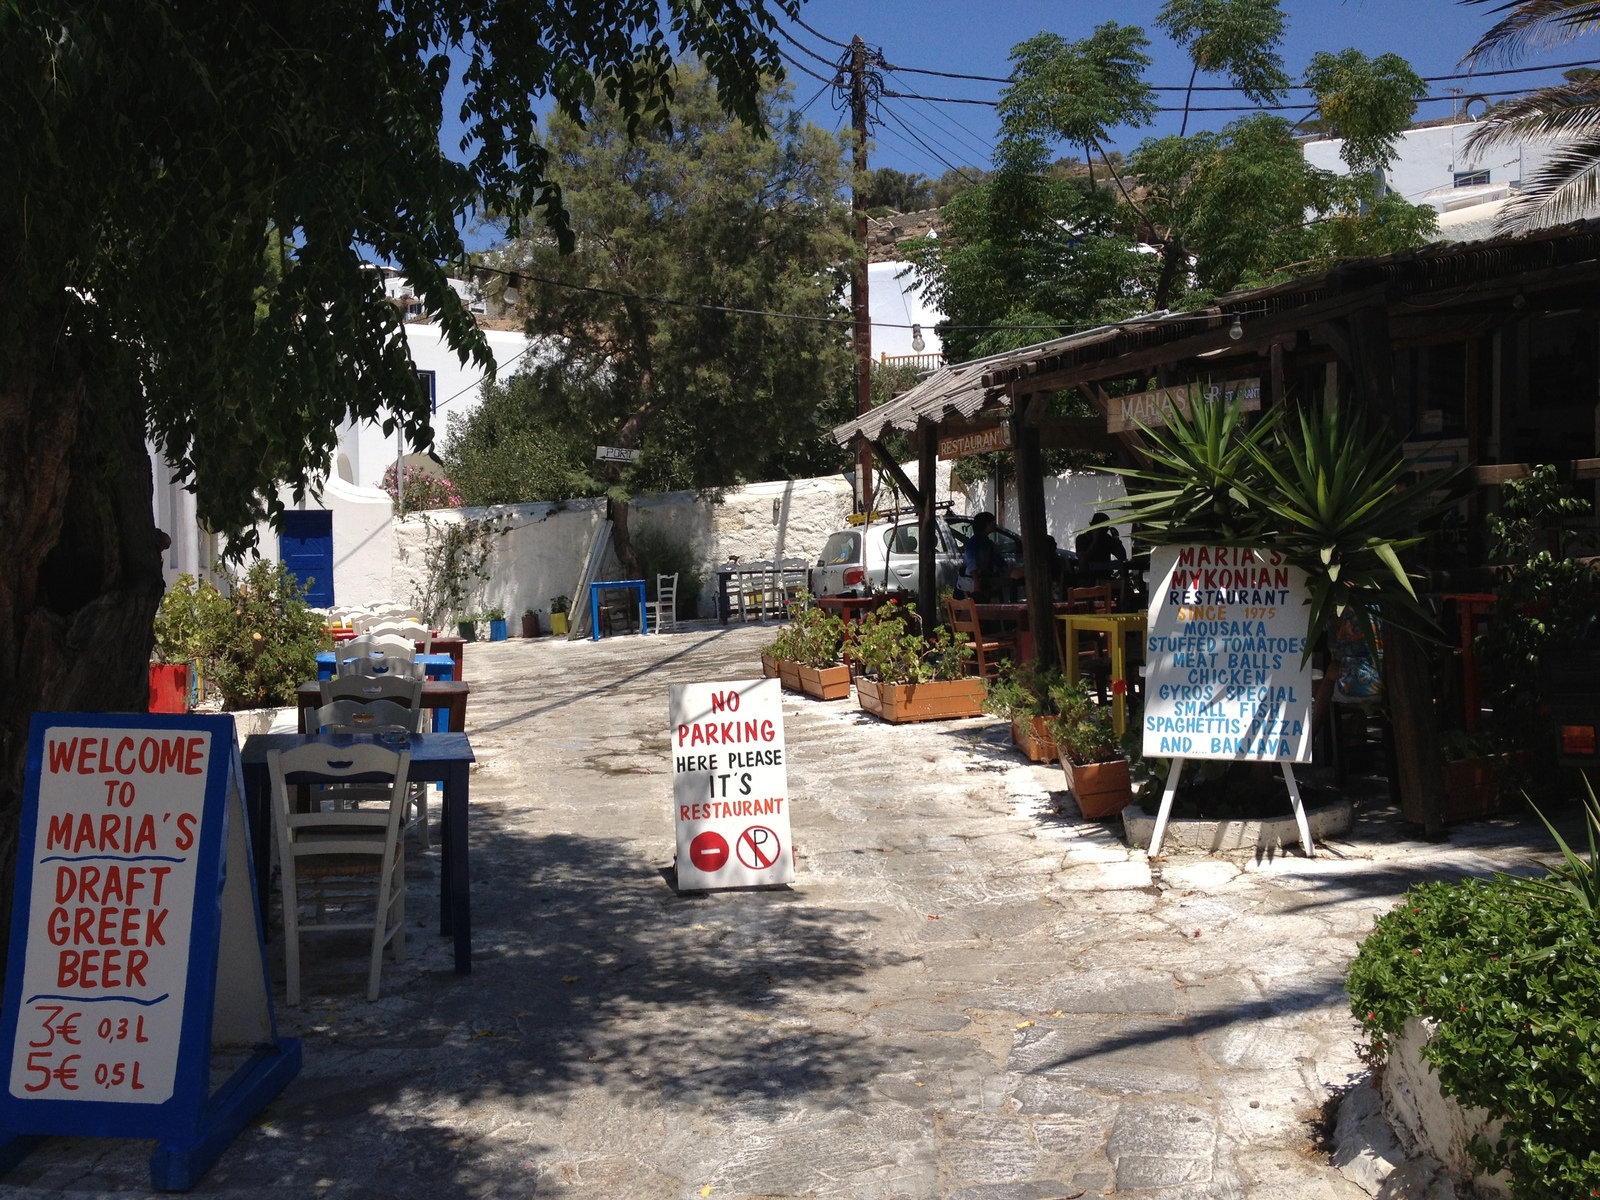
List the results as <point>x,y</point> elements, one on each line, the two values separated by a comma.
<point>513,290</point>
<point>917,343</point>
<point>1236,330</point>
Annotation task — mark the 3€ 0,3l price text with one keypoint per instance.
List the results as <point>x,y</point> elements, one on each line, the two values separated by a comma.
<point>52,1061</point>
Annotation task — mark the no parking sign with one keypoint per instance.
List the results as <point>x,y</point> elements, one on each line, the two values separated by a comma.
<point>730,785</point>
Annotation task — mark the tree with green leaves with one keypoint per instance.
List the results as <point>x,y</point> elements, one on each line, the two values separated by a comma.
<point>888,188</point>
<point>666,223</point>
<point>1235,38</point>
<point>1567,186</point>
<point>190,195</point>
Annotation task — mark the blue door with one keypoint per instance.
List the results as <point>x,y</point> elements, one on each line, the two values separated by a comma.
<point>306,548</point>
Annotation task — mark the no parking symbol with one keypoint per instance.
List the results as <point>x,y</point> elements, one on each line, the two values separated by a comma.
<point>758,847</point>
<point>730,785</point>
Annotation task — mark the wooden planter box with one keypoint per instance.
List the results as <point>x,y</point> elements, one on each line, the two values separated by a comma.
<point>789,674</point>
<point>1473,789</point>
<point>825,683</point>
<point>899,703</point>
<point>1032,737</point>
<point>769,667</point>
<point>1101,789</point>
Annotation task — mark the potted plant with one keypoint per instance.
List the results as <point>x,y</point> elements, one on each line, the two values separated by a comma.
<point>1476,779</point>
<point>558,614</point>
<point>467,627</point>
<point>1021,696</point>
<point>1090,756</point>
<point>780,658</point>
<point>903,676</point>
<point>497,624</point>
<point>821,639</point>
<point>530,623</point>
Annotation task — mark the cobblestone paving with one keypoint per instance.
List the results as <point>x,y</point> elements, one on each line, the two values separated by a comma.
<point>968,993</point>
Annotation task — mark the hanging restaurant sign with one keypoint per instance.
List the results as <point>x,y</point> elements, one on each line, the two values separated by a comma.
<point>984,440</point>
<point>1152,409</point>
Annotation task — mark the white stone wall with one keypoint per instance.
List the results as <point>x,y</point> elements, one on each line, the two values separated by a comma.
<point>1426,1121</point>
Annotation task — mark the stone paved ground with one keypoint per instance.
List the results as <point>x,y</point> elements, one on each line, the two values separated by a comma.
<point>967,993</point>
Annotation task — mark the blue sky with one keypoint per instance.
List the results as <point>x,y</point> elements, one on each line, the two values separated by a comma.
<point>977,38</point>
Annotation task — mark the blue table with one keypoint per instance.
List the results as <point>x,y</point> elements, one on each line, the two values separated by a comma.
<point>594,603</point>
<point>438,666</point>
<point>435,758</point>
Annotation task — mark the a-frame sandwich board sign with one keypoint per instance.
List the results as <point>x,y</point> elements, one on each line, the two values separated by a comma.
<point>136,944</point>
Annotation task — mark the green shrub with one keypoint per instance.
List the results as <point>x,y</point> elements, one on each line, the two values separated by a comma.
<point>812,638</point>
<point>885,648</point>
<point>1510,973</point>
<point>255,645</point>
<point>661,552</point>
<point>1080,727</point>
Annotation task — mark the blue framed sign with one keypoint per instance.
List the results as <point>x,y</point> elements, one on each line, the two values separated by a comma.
<point>136,943</point>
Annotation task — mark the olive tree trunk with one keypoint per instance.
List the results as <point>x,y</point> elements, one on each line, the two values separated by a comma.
<point>81,576</point>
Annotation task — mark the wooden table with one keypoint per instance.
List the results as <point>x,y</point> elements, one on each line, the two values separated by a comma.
<point>852,608</point>
<point>446,697</point>
<point>604,585</point>
<point>1119,626</point>
<point>435,758</point>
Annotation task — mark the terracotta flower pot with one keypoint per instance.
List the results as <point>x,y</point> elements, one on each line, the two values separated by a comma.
<point>1031,735</point>
<point>942,700</point>
<point>825,683</point>
<point>1101,789</point>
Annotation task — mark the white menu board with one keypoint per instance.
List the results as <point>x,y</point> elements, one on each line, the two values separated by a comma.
<point>1227,676</point>
<point>115,860</point>
<point>730,785</point>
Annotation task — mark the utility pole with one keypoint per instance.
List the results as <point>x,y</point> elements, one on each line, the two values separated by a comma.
<point>859,308</point>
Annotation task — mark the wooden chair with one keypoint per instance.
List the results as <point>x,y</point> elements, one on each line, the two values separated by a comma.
<point>375,717</point>
<point>377,654</point>
<point>412,631</point>
<point>986,660</point>
<point>364,689</point>
<point>1097,659</point>
<point>348,858</point>
<point>666,602</point>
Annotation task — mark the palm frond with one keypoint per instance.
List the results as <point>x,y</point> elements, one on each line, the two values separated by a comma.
<point>1532,25</point>
<point>1566,188</point>
<point>1566,110</point>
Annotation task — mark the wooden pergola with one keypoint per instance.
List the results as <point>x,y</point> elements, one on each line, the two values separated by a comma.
<point>1349,334</point>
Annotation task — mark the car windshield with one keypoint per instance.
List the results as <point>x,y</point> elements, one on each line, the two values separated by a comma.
<point>843,547</point>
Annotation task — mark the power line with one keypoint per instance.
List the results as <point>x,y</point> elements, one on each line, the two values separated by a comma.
<point>808,317</point>
<point>823,36</point>
<point>815,96</point>
<point>971,142</point>
<point>804,49</point>
<point>799,66</point>
<point>895,117</point>
<point>1202,108</point>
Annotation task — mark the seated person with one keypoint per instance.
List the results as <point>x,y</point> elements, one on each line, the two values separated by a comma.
<point>980,562</point>
<point>1100,544</point>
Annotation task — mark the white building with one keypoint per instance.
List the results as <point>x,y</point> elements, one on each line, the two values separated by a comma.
<point>343,530</point>
<point>1432,165</point>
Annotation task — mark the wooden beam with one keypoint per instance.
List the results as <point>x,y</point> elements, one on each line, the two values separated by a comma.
<point>927,438</point>
<point>1035,535</point>
<point>899,476</point>
<point>1259,333</point>
<point>1129,440</point>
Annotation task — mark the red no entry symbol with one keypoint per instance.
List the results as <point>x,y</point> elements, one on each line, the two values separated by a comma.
<point>709,852</point>
<point>758,847</point>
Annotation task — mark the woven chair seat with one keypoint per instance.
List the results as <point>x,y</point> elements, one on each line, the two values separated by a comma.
<point>327,866</point>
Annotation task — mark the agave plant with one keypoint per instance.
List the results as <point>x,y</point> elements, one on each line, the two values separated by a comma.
<point>1568,185</point>
<point>1577,881</point>
<point>1325,489</point>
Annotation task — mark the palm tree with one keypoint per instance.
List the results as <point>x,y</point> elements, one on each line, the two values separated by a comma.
<point>1567,187</point>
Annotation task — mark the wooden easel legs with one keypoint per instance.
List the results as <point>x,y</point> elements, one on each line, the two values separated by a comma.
<point>1171,790</point>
